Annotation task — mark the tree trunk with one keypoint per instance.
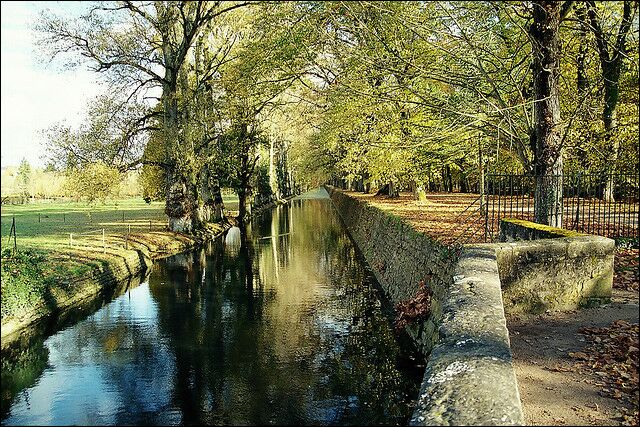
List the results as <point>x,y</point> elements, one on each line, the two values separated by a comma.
<point>393,192</point>
<point>242,207</point>
<point>217,209</point>
<point>273,175</point>
<point>447,179</point>
<point>419,193</point>
<point>611,72</point>
<point>548,154</point>
<point>243,191</point>
<point>367,182</point>
<point>481,188</point>
<point>581,77</point>
<point>611,65</point>
<point>213,209</point>
<point>178,207</point>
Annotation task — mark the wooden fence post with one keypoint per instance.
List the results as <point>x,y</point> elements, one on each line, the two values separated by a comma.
<point>126,241</point>
<point>15,243</point>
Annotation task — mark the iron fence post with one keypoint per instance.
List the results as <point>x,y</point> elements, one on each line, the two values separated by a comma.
<point>575,225</point>
<point>486,209</point>
<point>15,242</point>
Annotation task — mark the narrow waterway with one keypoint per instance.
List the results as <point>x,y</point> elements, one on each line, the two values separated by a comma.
<point>285,327</point>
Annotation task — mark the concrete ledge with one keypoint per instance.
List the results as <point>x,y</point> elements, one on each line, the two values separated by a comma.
<point>469,377</point>
<point>553,269</point>
<point>512,229</point>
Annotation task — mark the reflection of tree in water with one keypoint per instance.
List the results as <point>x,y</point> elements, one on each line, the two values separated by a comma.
<point>364,373</point>
<point>353,343</point>
<point>21,368</point>
<point>275,328</point>
<point>361,367</point>
<point>211,325</point>
<point>269,330</point>
<point>25,360</point>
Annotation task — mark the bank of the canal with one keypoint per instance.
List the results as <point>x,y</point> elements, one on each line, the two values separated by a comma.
<point>469,377</point>
<point>287,326</point>
<point>102,274</point>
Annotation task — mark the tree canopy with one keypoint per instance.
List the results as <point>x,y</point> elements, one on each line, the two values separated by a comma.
<point>269,97</point>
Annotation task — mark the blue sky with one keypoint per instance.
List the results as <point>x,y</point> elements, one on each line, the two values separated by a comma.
<point>36,95</point>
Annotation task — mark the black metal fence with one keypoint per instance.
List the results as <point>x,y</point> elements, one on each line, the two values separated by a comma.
<point>606,205</point>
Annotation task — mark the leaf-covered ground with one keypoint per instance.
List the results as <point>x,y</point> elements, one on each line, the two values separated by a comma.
<point>626,275</point>
<point>611,357</point>
<point>439,216</point>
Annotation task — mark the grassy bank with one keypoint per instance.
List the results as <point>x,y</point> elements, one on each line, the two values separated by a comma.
<point>50,265</point>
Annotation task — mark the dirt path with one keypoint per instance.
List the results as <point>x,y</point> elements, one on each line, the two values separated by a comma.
<point>550,392</point>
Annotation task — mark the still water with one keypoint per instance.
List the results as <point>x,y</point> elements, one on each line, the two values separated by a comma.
<point>285,328</point>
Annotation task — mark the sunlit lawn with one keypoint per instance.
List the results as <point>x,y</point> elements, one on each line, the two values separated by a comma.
<point>49,225</point>
<point>47,257</point>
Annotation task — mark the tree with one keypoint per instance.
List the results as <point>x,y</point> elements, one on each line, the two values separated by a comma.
<point>94,182</point>
<point>545,41</point>
<point>24,177</point>
<point>611,55</point>
<point>112,133</point>
<point>139,46</point>
<point>268,61</point>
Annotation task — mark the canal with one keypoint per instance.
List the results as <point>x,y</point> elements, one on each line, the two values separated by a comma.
<point>283,327</point>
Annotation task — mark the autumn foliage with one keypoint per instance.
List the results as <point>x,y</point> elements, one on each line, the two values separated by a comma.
<point>414,309</point>
<point>612,355</point>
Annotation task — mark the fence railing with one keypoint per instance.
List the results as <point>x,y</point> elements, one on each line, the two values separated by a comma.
<point>100,239</point>
<point>605,205</point>
<point>79,230</point>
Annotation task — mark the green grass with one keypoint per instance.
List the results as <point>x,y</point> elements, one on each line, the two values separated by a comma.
<point>45,262</point>
<point>26,276</point>
<point>48,225</point>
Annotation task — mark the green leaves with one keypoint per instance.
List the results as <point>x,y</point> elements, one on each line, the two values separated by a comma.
<point>94,182</point>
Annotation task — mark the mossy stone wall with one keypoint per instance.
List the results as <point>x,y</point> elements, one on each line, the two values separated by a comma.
<point>400,258</point>
<point>545,268</point>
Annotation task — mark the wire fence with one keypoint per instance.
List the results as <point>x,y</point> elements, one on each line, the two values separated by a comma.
<point>99,238</point>
<point>79,229</point>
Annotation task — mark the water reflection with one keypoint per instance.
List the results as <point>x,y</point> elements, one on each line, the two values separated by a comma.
<point>275,324</point>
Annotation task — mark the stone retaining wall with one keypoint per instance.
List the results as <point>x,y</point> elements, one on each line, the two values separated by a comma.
<point>546,268</point>
<point>400,258</point>
<point>469,377</point>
